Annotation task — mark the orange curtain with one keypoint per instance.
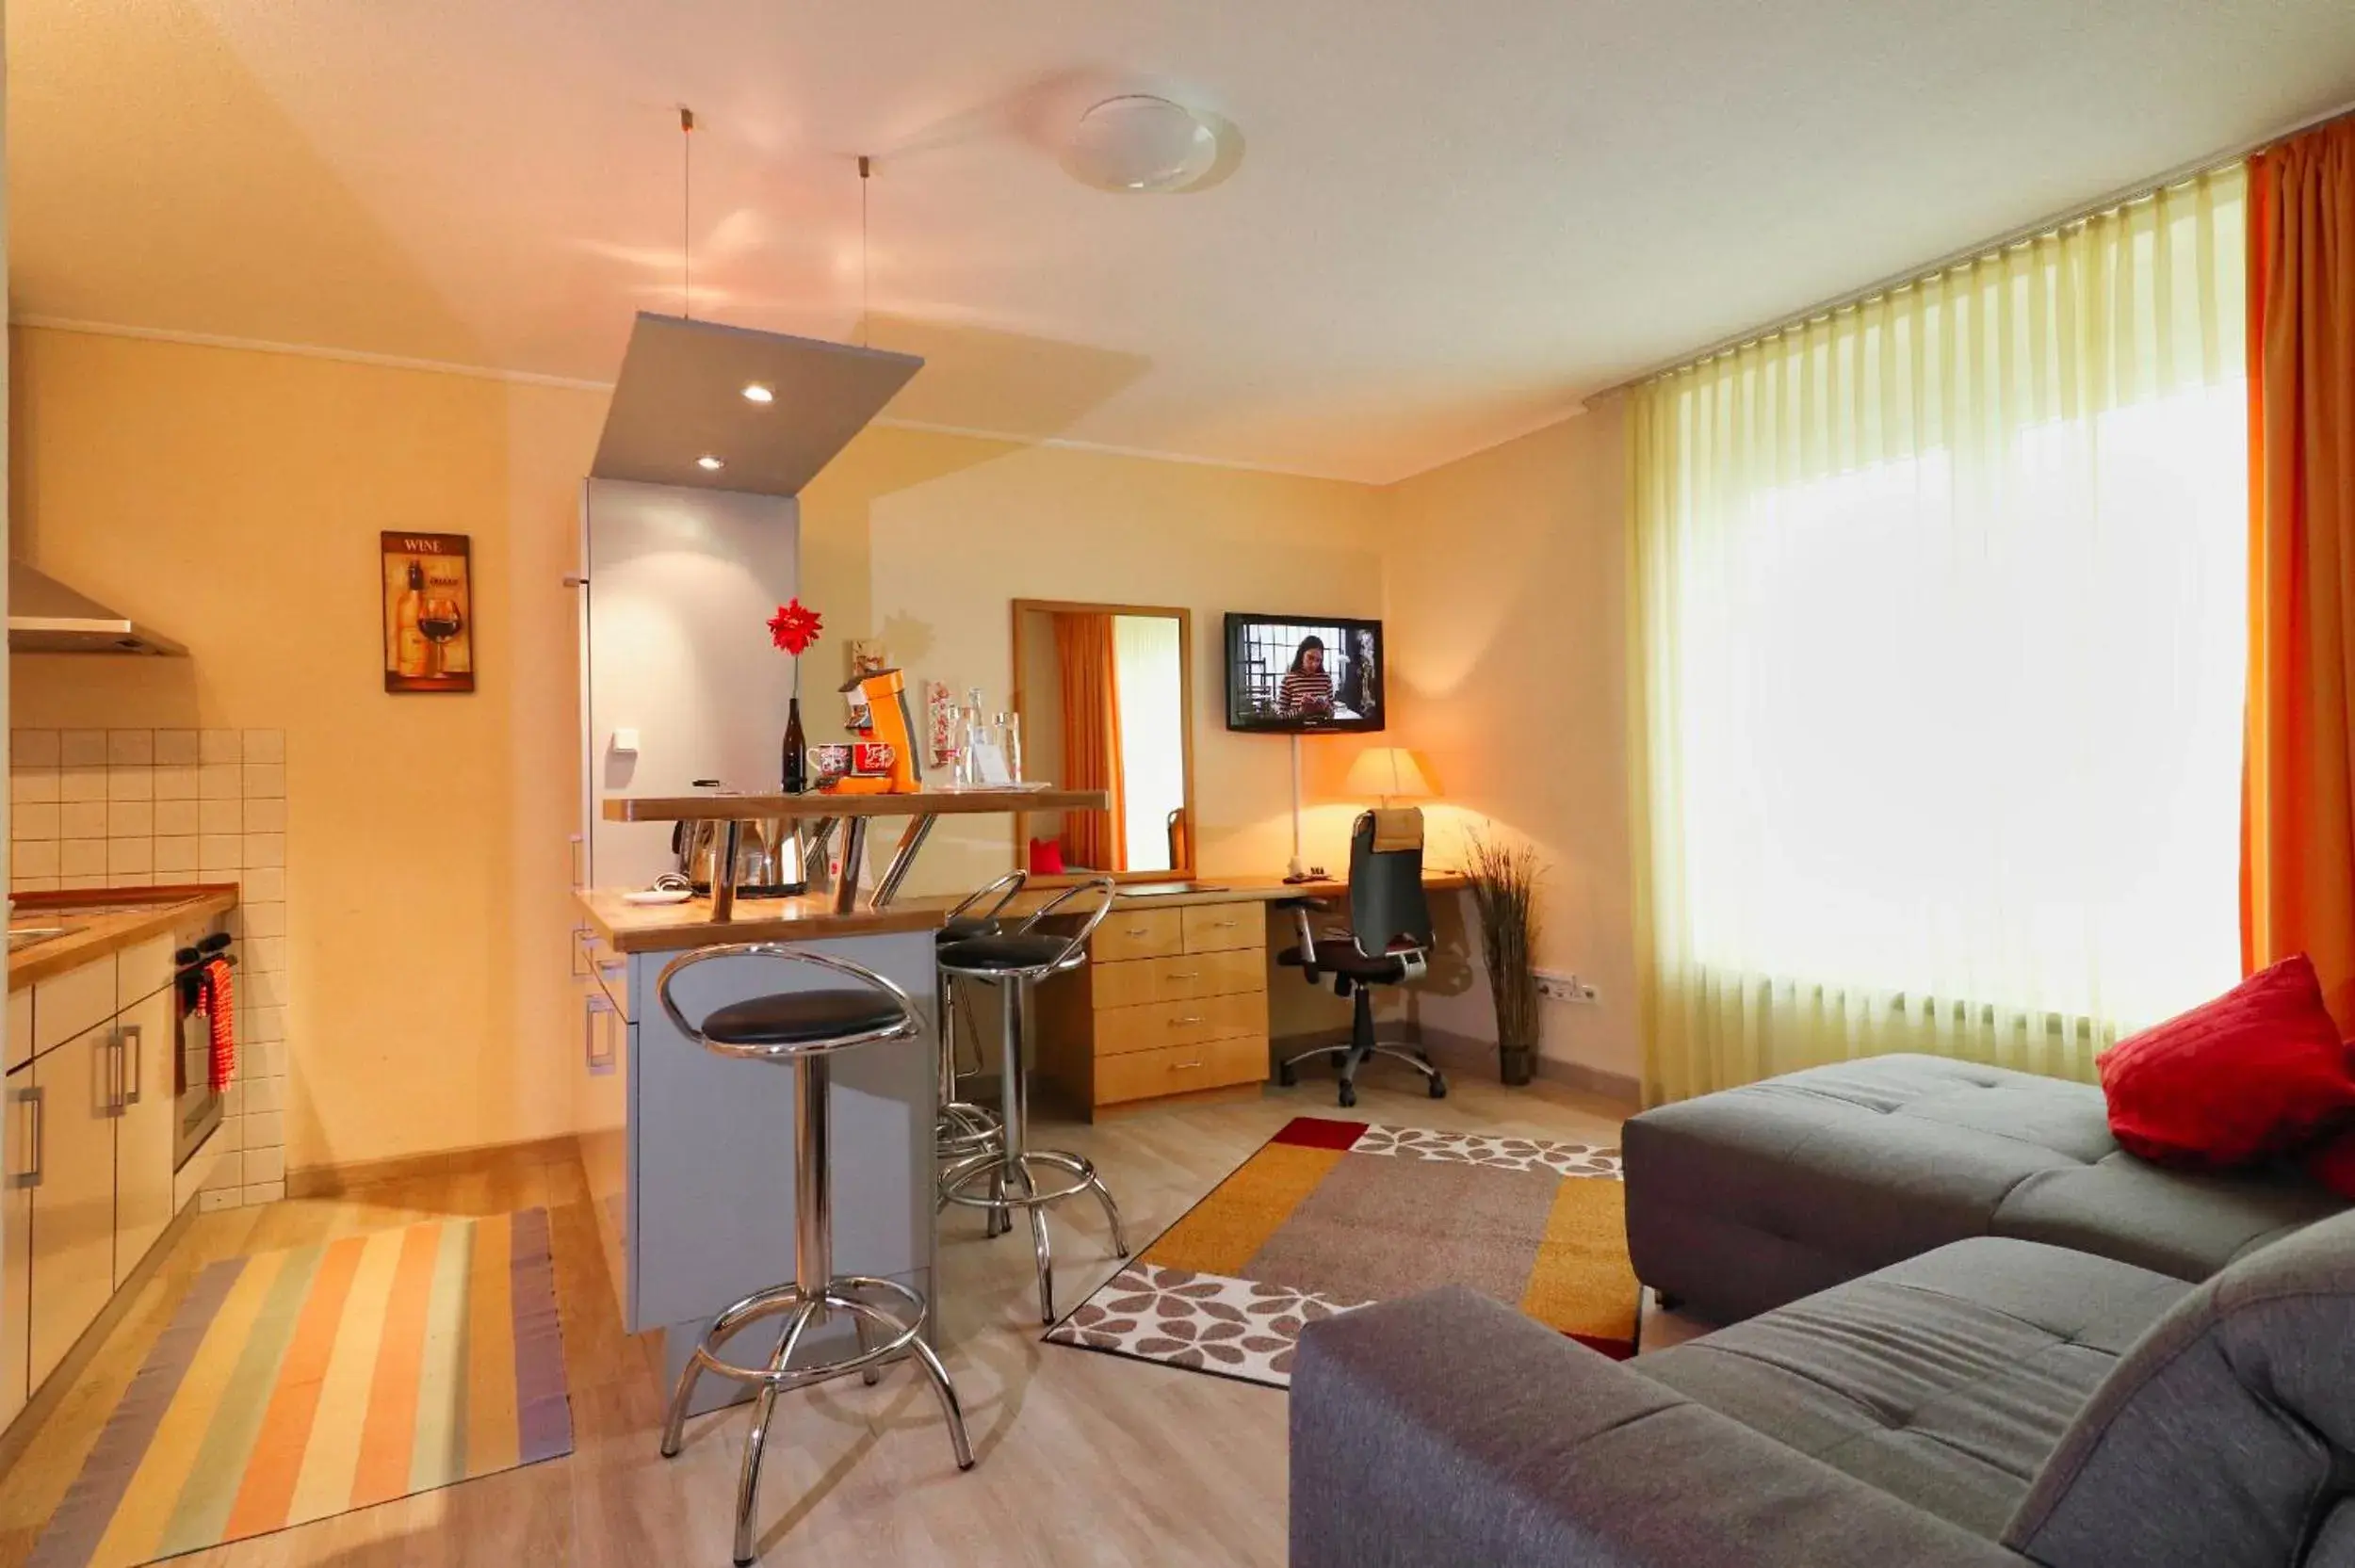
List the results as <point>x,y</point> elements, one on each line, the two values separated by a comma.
<point>2297,826</point>
<point>1098,840</point>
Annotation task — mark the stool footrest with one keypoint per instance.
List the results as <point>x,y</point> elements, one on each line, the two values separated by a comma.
<point>1080,1176</point>
<point>835,1296</point>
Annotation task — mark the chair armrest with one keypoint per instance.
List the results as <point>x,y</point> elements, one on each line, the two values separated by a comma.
<point>1306,932</point>
<point>1447,1429</point>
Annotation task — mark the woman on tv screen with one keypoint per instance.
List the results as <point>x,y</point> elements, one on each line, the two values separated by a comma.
<point>1307,688</point>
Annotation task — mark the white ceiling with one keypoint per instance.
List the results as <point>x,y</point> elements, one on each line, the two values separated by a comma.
<point>1450,222</point>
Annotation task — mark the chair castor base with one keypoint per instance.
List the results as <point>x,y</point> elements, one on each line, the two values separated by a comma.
<point>1288,1076</point>
<point>1438,1086</point>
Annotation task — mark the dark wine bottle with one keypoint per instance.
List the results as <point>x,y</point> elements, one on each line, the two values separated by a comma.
<point>796,760</point>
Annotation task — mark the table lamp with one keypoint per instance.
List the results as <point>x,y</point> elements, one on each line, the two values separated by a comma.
<point>1389,773</point>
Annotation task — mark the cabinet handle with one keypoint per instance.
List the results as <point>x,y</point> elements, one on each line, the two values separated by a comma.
<point>1176,1023</point>
<point>1139,930</point>
<point>1182,1066</point>
<point>1225,925</point>
<point>114,1074</point>
<point>132,1044</point>
<point>39,1122</point>
<point>581,936</point>
<point>594,1008</point>
<point>580,879</point>
<point>1185,973</point>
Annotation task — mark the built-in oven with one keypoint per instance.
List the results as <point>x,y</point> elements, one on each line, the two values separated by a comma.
<point>196,989</point>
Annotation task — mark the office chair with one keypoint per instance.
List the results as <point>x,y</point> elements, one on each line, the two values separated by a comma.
<point>1388,942</point>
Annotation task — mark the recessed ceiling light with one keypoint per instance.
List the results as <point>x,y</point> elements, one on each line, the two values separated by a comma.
<point>710,463</point>
<point>1141,143</point>
<point>756,393</point>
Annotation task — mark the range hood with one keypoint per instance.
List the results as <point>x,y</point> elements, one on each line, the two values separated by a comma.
<point>47,617</point>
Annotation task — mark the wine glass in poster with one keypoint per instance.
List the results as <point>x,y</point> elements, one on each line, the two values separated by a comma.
<point>429,612</point>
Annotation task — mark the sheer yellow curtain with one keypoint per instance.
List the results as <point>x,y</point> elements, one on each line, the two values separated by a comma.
<point>1940,603</point>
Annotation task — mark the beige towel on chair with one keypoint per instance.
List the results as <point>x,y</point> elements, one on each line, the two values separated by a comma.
<point>1398,828</point>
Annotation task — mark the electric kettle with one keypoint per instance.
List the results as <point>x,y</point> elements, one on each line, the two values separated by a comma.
<point>768,853</point>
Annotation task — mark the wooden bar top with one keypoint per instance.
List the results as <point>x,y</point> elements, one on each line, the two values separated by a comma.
<point>660,927</point>
<point>107,922</point>
<point>928,802</point>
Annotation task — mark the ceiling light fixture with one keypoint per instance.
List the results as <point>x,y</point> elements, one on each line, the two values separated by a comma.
<point>709,464</point>
<point>756,393</point>
<point>1142,144</point>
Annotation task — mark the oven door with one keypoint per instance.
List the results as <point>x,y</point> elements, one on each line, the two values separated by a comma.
<point>197,1105</point>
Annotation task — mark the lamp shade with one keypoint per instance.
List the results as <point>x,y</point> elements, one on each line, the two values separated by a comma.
<point>1392,773</point>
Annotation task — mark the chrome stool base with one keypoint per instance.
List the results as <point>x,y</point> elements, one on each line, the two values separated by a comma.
<point>965,1129</point>
<point>904,1334</point>
<point>1023,1170</point>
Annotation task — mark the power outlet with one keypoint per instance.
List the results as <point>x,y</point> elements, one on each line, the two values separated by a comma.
<point>1555,986</point>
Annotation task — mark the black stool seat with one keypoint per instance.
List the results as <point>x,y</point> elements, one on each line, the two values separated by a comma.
<point>1004,953</point>
<point>801,1017</point>
<point>965,928</point>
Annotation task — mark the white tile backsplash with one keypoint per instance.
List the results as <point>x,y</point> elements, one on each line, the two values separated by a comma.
<point>134,807</point>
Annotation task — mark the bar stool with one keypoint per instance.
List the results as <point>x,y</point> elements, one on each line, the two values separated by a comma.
<point>965,1129</point>
<point>802,1029</point>
<point>1015,961</point>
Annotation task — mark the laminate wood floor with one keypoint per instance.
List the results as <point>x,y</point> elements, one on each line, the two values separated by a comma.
<point>1085,1459</point>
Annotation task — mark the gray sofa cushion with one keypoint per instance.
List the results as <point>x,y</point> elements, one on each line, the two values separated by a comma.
<point>1741,1201</point>
<point>2226,1437</point>
<point>1945,1380</point>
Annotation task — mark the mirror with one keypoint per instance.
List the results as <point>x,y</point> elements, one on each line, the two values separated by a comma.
<point>1106,695</point>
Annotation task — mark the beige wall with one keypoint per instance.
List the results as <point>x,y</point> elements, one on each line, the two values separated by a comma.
<point>1507,615</point>
<point>232,498</point>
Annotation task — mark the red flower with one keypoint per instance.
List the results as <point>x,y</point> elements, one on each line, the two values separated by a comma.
<point>794,627</point>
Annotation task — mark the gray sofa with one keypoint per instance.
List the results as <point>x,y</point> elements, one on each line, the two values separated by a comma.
<point>1911,1386</point>
<point>1741,1201</point>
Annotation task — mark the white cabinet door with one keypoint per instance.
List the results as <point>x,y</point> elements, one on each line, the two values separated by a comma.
<point>16,1243</point>
<point>144,1038</point>
<point>74,1196</point>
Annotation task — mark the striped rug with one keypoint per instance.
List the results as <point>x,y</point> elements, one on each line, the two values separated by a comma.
<point>294,1385</point>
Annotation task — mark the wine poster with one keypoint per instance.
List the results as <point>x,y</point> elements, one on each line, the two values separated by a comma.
<point>429,613</point>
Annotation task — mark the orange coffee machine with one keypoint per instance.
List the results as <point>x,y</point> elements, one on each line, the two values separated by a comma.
<point>884,758</point>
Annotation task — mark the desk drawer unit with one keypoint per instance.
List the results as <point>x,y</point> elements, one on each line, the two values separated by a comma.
<point>1172,1002</point>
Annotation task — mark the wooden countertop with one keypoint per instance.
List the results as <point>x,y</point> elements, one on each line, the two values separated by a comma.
<point>134,914</point>
<point>660,927</point>
<point>928,802</point>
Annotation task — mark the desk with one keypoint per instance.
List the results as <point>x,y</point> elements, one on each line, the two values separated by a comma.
<point>1173,1004</point>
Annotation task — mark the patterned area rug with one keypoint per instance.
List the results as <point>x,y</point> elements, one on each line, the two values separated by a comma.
<point>1332,1215</point>
<point>297,1384</point>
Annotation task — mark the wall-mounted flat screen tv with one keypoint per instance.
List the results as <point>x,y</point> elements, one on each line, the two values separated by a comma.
<point>1304,673</point>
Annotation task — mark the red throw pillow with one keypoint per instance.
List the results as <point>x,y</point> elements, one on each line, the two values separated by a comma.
<point>2333,1163</point>
<point>2253,1074</point>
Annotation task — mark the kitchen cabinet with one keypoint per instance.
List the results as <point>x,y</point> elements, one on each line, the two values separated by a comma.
<point>16,1243</point>
<point>144,1045</point>
<point>20,1044</point>
<point>73,1194</point>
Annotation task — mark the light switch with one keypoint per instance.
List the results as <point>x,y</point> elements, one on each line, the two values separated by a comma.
<point>626,742</point>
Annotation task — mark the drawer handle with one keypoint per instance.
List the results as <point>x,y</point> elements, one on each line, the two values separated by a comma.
<point>1138,930</point>
<point>1185,973</point>
<point>1175,1023</point>
<point>1225,925</point>
<point>1182,1066</point>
